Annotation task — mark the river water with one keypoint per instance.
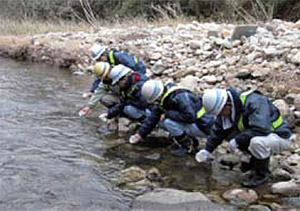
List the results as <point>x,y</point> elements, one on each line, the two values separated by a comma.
<point>49,158</point>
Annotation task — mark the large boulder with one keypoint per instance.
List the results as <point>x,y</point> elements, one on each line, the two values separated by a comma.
<point>171,199</point>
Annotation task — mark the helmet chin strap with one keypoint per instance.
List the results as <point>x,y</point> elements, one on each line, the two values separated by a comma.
<point>227,122</point>
<point>233,112</point>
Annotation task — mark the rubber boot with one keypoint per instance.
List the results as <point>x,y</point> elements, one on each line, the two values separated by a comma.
<point>261,173</point>
<point>247,166</point>
<point>184,145</point>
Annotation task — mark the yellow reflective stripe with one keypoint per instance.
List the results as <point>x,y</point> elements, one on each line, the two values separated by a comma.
<point>136,60</point>
<point>131,90</point>
<point>200,113</point>
<point>277,122</point>
<point>123,94</point>
<point>243,96</point>
<point>241,126</point>
<point>169,91</point>
<point>111,58</point>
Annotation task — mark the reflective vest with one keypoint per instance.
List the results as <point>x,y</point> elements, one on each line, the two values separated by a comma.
<point>275,124</point>
<point>130,91</point>
<point>200,113</point>
<point>112,59</point>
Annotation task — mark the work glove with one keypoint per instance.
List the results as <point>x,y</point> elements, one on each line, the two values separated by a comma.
<point>134,139</point>
<point>232,146</point>
<point>84,111</point>
<point>87,94</point>
<point>202,156</point>
<point>103,118</point>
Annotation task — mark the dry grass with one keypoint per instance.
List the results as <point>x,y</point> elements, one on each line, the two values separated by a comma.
<point>13,41</point>
<point>32,27</point>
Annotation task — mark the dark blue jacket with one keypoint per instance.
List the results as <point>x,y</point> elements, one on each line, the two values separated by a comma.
<point>131,95</point>
<point>258,114</point>
<point>180,105</point>
<point>120,57</point>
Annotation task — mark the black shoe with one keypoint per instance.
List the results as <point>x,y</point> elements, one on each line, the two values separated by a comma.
<point>186,142</point>
<point>256,180</point>
<point>245,166</point>
<point>260,173</point>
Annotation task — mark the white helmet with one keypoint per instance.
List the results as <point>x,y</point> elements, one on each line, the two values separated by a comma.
<point>97,50</point>
<point>214,100</point>
<point>118,72</point>
<point>152,90</point>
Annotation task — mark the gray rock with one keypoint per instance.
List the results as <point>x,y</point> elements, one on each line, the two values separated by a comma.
<point>246,31</point>
<point>171,199</point>
<point>158,68</point>
<point>195,44</point>
<point>296,59</point>
<point>287,188</point>
<point>258,208</point>
<point>240,196</point>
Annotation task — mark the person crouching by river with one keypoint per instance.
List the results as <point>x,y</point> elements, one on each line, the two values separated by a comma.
<point>253,125</point>
<point>105,93</point>
<point>132,104</point>
<point>113,57</point>
<point>179,111</point>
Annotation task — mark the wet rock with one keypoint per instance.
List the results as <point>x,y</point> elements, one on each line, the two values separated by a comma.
<point>258,208</point>
<point>230,160</point>
<point>154,156</point>
<point>281,175</point>
<point>154,175</point>
<point>287,188</point>
<point>292,202</point>
<point>132,174</point>
<point>240,196</point>
<point>170,199</point>
<point>123,124</point>
<point>292,164</point>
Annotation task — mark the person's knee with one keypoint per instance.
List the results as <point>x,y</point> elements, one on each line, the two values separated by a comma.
<point>258,149</point>
<point>133,112</point>
<point>173,127</point>
<point>109,101</point>
<point>168,123</point>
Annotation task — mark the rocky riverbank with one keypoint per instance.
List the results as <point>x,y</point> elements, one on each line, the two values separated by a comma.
<point>199,55</point>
